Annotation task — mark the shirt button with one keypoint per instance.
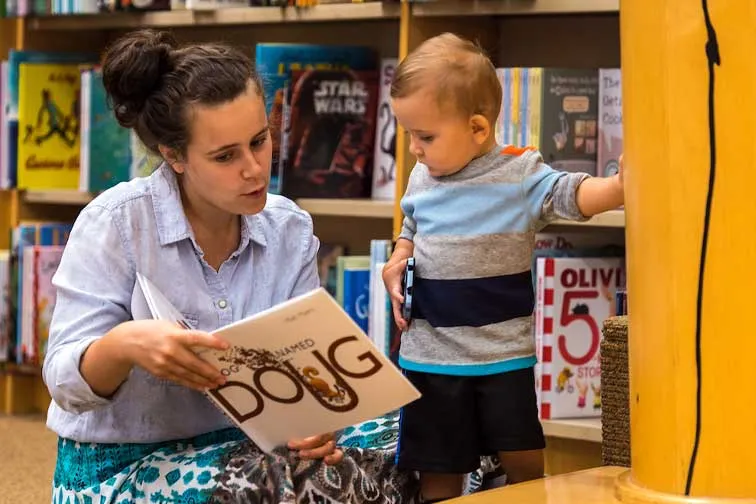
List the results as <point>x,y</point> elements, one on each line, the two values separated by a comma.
<point>222,304</point>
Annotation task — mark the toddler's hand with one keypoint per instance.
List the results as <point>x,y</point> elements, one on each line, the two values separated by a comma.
<point>392,279</point>
<point>621,170</point>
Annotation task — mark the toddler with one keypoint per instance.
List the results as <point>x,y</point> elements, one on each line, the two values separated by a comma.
<point>471,211</point>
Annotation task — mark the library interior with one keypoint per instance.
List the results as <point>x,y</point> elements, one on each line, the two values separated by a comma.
<point>637,311</point>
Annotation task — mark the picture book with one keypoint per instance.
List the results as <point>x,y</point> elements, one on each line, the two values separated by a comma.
<point>48,126</point>
<point>105,150</point>
<point>40,264</point>
<point>574,296</point>
<point>27,235</point>
<point>610,121</point>
<point>554,109</point>
<point>298,369</point>
<point>275,63</point>
<point>384,153</point>
<point>331,134</point>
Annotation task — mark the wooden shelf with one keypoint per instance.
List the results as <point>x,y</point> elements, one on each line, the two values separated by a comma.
<point>349,207</point>
<point>610,219</point>
<point>332,207</point>
<point>225,16</point>
<point>57,197</point>
<point>581,429</point>
<point>513,7</point>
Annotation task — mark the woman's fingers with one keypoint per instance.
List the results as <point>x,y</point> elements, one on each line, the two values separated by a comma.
<point>320,452</point>
<point>335,458</point>
<point>310,442</point>
<point>193,364</point>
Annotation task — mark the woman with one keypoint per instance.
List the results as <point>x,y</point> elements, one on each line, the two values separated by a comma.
<point>127,403</point>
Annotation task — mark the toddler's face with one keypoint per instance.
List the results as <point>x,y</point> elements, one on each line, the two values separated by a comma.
<point>444,142</point>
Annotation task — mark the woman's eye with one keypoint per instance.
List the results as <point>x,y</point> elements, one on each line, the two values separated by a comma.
<point>426,138</point>
<point>258,142</point>
<point>224,158</point>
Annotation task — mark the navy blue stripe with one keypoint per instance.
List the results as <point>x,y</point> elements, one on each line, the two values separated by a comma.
<point>473,302</point>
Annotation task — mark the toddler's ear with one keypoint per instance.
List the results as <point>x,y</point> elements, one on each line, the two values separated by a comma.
<point>481,128</point>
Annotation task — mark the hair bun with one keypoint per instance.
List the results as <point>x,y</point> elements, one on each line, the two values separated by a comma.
<point>133,69</point>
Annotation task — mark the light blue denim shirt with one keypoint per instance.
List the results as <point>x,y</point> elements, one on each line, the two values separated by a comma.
<point>141,226</point>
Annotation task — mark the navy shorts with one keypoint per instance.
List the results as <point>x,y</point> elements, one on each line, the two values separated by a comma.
<point>460,418</point>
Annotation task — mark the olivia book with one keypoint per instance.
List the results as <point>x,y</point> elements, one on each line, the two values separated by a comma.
<point>298,369</point>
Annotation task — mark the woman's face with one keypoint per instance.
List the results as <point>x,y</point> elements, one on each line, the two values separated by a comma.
<point>227,162</point>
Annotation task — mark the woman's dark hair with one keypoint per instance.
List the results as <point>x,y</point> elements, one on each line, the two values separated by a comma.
<point>150,82</point>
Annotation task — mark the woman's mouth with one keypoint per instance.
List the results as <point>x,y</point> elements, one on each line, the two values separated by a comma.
<point>256,193</point>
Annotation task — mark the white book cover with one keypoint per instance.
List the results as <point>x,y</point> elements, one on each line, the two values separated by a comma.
<point>610,121</point>
<point>574,296</point>
<point>384,155</point>
<point>298,369</point>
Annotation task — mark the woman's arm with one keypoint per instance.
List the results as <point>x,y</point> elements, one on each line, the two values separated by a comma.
<point>94,283</point>
<point>93,342</point>
<point>104,364</point>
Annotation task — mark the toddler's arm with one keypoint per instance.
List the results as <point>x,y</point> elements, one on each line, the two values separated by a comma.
<point>552,194</point>
<point>599,194</point>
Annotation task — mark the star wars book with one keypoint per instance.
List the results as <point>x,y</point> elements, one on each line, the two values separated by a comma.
<point>331,134</point>
<point>298,369</point>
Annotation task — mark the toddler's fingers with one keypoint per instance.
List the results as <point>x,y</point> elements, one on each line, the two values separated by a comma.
<point>397,309</point>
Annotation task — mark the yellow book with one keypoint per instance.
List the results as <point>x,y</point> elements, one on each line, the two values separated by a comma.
<point>48,126</point>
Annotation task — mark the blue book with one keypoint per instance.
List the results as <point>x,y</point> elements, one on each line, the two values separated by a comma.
<point>105,146</point>
<point>357,296</point>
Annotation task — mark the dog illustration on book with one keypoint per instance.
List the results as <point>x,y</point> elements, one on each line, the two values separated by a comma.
<point>310,373</point>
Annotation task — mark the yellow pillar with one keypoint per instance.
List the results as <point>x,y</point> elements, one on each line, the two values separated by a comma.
<point>666,82</point>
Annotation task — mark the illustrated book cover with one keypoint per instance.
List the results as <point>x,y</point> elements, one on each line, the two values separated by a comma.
<point>298,369</point>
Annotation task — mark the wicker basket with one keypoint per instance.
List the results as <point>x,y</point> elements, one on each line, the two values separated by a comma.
<point>615,405</point>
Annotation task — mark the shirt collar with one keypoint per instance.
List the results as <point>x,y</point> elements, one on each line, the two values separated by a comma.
<point>172,224</point>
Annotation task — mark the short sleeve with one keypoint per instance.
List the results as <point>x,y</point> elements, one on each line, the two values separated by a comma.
<point>94,283</point>
<point>552,194</point>
<point>409,225</point>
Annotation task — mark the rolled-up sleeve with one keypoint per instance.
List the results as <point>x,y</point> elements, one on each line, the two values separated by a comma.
<point>308,278</point>
<point>93,283</point>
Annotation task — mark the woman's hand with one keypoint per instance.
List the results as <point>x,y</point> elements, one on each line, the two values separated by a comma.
<point>165,350</point>
<point>318,447</point>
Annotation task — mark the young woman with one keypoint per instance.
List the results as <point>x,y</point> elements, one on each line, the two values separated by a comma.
<point>127,405</point>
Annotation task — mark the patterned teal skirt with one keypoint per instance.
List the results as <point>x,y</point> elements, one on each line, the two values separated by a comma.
<point>225,467</point>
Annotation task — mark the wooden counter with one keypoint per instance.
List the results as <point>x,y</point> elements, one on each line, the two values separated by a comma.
<point>592,486</point>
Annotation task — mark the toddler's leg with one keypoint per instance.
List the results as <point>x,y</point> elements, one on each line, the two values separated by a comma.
<point>510,426</point>
<point>437,434</point>
<point>522,466</point>
<point>437,486</point>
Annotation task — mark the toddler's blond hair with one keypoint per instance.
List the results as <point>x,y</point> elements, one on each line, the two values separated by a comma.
<point>457,70</point>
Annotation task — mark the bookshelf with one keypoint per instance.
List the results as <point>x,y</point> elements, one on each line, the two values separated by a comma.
<point>339,13</point>
<point>578,33</point>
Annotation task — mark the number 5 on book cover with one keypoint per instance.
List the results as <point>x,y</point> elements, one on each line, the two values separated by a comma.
<point>298,369</point>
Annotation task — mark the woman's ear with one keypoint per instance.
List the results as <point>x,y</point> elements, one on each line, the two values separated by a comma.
<point>171,157</point>
<point>481,128</point>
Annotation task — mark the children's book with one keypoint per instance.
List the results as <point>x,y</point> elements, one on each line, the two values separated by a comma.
<point>298,369</point>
